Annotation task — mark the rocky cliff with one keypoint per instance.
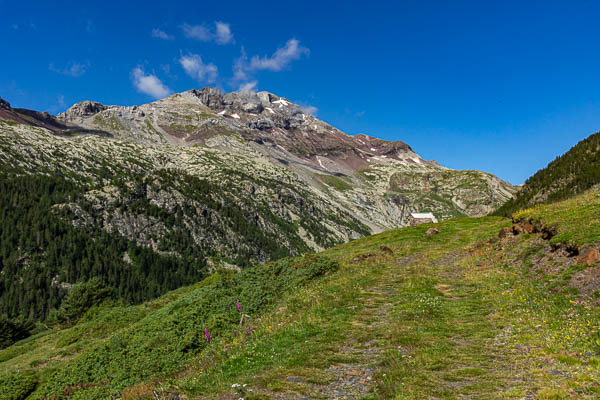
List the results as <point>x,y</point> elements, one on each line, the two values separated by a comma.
<point>258,151</point>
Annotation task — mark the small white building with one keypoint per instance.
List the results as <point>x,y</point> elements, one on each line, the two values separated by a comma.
<point>421,218</point>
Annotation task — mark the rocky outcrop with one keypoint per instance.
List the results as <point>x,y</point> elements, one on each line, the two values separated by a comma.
<point>81,110</point>
<point>4,105</point>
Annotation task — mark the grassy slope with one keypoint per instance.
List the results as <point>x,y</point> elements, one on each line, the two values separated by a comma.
<point>452,315</point>
<point>577,219</point>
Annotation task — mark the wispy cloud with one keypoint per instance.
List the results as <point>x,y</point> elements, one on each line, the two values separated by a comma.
<point>197,32</point>
<point>307,108</point>
<point>282,57</point>
<point>248,86</point>
<point>220,35</point>
<point>240,67</point>
<point>223,33</point>
<point>243,68</point>
<point>149,84</point>
<point>59,105</point>
<point>74,69</point>
<point>197,69</point>
<point>312,110</point>
<point>157,33</point>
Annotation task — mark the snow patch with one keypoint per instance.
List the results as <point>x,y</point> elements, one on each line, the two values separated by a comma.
<point>221,113</point>
<point>236,116</point>
<point>281,102</point>
<point>320,162</point>
<point>270,110</point>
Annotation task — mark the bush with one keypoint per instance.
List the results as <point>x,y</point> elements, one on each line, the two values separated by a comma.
<point>13,330</point>
<point>81,298</point>
<point>16,386</point>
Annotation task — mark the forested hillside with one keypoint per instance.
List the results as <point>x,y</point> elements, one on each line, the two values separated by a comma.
<point>568,175</point>
<point>42,254</point>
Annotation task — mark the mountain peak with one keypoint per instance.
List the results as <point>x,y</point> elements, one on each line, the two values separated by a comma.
<point>82,109</point>
<point>4,105</point>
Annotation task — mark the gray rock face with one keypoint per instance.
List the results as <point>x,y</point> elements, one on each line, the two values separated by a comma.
<point>378,181</point>
<point>5,105</point>
<point>83,109</point>
<point>261,124</point>
<point>210,97</point>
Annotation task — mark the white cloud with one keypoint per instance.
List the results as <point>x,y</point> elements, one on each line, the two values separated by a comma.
<point>59,105</point>
<point>197,69</point>
<point>74,69</point>
<point>221,35</point>
<point>148,84</point>
<point>308,109</point>
<point>281,58</point>
<point>157,33</point>
<point>197,32</point>
<point>240,67</point>
<point>248,86</point>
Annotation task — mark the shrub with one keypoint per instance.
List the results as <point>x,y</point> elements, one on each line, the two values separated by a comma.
<point>81,298</point>
<point>13,330</point>
<point>16,386</point>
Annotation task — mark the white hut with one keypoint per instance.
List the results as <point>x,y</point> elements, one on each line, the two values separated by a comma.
<point>421,218</point>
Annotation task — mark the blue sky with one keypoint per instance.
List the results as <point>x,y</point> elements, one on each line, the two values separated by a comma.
<point>502,87</point>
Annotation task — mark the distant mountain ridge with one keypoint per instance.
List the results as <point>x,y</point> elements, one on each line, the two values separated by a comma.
<point>566,176</point>
<point>195,182</point>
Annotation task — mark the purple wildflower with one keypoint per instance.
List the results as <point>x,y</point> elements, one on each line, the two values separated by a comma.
<point>239,306</point>
<point>248,329</point>
<point>207,335</point>
<point>234,332</point>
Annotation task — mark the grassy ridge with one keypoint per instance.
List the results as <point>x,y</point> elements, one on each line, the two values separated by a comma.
<point>400,315</point>
<point>577,220</point>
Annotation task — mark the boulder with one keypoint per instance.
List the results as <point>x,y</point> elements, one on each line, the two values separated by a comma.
<point>589,257</point>
<point>432,231</point>
<point>505,232</point>
<point>252,108</point>
<point>386,250</point>
<point>261,124</point>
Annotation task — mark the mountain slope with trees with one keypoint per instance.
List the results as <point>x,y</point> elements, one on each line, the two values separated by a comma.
<point>150,198</point>
<point>484,308</point>
<point>566,176</point>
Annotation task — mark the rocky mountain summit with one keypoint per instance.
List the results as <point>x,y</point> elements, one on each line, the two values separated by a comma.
<point>148,198</point>
<point>254,147</point>
<point>4,105</point>
<point>376,180</point>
